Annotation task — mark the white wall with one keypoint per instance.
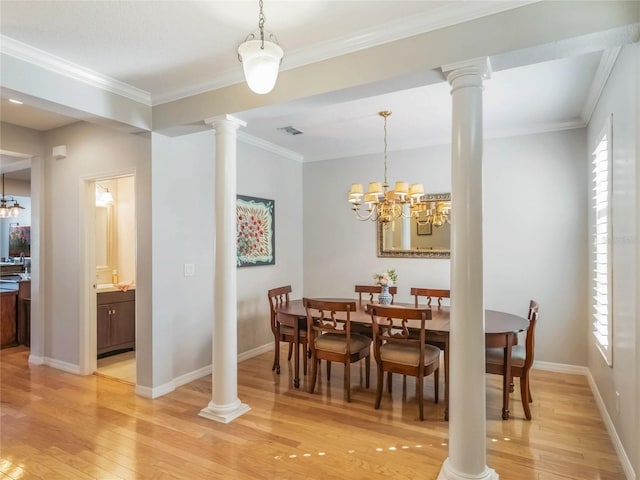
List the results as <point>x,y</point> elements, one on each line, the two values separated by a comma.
<point>183,232</point>
<point>183,227</point>
<point>340,251</point>
<point>535,231</point>
<point>92,152</point>
<point>620,99</point>
<point>266,175</point>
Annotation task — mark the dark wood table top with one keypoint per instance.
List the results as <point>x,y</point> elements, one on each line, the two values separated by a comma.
<point>496,322</point>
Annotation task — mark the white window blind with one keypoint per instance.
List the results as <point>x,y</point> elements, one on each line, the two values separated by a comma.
<point>602,319</point>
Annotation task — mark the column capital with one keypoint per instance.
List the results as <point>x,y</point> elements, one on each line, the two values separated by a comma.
<point>225,120</point>
<point>477,67</point>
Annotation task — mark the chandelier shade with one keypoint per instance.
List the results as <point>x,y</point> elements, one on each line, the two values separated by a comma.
<point>380,203</point>
<point>261,58</point>
<point>7,211</point>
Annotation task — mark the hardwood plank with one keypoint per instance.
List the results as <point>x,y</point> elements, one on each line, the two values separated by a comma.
<point>58,425</point>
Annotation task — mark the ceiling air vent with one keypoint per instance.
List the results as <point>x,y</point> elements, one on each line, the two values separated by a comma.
<point>290,130</point>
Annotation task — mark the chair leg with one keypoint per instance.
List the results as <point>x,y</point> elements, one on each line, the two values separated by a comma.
<point>389,381</point>
<point>529,388</point>
<point>290,351</point>
<point>436,387</point>
<point>347,380</point>
<point>420,382</point>
<point>524,392</point>
<point>379,385</point>
<point>314,374</point>
<point>304,358</point>
<point>276,358</point>
<point>328,370</point>
<point>367,369</point>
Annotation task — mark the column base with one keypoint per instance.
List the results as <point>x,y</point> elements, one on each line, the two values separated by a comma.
<point>450,473</point>
<point>224,413</point>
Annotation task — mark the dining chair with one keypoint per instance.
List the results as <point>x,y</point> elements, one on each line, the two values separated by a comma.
<point>284,333</point>
<point>362,302</point>
<point>429,294</point>
<point>521,360</point>
<point>330,338</point>
<point>396,351</point>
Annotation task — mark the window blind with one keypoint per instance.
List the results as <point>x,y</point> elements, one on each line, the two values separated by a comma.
<point>602,325</point>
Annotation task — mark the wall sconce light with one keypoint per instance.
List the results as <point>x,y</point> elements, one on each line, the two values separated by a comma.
<point>103,196</point>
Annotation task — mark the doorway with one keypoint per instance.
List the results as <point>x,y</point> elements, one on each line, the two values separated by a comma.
<point>113,317</point>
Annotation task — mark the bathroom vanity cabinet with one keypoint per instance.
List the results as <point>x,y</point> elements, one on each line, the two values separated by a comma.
<point>116,322</point>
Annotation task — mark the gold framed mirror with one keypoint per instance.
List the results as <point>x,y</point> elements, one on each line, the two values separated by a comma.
<point>427,235</point>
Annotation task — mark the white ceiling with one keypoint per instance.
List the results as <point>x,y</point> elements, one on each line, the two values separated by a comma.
<point>169,49</point>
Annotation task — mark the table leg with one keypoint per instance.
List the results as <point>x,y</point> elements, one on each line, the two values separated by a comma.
<point>506,378</point>
<point>446,379</point>
<point>296,344</point>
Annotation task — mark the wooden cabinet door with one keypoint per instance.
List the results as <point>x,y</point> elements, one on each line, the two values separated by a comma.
<point>8,319</point>
<point>104,320</point>
<point>123,324</point>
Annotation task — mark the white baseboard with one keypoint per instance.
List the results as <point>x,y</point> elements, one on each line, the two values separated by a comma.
<point>617,443</point>
<point>611,429</point>
<point>255,352</point>
<point>53,363</point>
<point>169,387</point>
<point>155,392</point>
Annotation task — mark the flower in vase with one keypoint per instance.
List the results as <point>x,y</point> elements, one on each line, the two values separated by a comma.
<point>389,277</point>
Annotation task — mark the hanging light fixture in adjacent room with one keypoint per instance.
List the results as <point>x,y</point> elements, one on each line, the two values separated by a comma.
<point>9,211</point>
<point>260,58</point>
<point>384,205</point>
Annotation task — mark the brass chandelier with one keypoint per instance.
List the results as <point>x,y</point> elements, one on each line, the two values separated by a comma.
<point>383,205</point>
<point>7,211</point>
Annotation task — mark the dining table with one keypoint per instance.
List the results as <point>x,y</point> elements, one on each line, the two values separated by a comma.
<point>501,331</point>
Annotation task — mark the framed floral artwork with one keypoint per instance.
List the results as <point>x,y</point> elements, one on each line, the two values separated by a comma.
<point>255,234</point>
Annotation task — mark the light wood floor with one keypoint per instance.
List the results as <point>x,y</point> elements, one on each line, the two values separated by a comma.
<point>121,366</point>
<point>55,425</point>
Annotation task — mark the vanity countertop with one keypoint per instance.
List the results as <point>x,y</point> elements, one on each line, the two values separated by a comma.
<point>110,287</point>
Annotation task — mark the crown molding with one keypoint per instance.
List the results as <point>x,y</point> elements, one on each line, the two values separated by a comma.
<point>442,17</point>
<point>607,61</point>
<point>40,58</point>
<point>270,147</point>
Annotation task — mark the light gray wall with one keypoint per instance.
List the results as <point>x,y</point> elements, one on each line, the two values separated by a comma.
<point>620,99</point>
<point>266,175</point>
<point>92,152</point>
<point>183,232</point>
<point>535,231</point>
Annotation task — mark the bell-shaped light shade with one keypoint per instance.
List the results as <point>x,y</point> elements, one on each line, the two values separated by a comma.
<point>260,65</point>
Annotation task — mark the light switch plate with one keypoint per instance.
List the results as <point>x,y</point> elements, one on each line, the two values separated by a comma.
<point>189,269</point>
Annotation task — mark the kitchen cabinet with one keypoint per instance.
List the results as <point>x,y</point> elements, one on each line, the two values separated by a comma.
<point>116,328</point>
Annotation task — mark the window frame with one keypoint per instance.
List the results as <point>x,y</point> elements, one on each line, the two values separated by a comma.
<point>603,343</point>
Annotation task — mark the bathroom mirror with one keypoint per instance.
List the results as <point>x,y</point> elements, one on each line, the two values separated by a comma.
<point>420,236</point>
<point>104,240</point>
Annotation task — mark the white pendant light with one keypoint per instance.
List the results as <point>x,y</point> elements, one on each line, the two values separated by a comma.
<point>260,58</point>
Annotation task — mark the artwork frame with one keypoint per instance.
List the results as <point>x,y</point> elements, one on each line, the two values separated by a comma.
<point>255,231</point>
<point>424,228</point>
<point>19,240</point>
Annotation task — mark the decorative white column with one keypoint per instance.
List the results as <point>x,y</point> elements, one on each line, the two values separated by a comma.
<point>467,413</point>
<point>225,404</point>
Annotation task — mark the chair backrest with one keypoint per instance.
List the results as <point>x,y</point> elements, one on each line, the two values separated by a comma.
<point>329,316</point>
<point>277,296</point>
<point>530,342</point>
<point>429,293</point>
<point>374,289</point>
<point>533,307</point>
<point>391,325</point>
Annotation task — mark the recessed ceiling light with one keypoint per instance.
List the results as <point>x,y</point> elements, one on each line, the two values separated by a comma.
<point>17,102</point>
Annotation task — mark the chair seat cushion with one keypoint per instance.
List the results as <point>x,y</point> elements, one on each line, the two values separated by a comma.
<point>495,356</point>
<point>408,354</point>
<point>335,342</point>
